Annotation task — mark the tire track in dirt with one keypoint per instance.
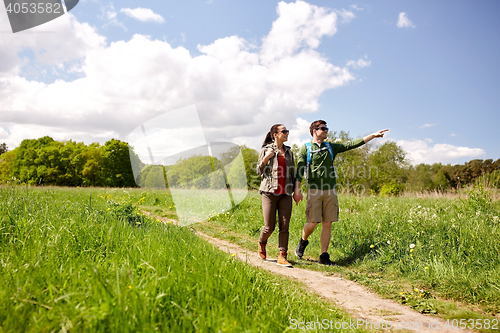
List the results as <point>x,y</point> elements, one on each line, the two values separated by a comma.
<point>348,295</point>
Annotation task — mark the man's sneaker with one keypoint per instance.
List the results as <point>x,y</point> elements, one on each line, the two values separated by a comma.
<point>262,250</point>
<point>301,247</point>
<point>282,260</point>
<point>324,259</point>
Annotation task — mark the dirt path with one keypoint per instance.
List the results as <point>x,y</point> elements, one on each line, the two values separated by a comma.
<point>368,309</point>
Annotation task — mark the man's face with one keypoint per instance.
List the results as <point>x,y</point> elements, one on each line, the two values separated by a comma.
<point>321,132</point>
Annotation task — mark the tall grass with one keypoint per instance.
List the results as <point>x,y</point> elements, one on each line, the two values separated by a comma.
<point>86,260</point>
<point>455,252</point>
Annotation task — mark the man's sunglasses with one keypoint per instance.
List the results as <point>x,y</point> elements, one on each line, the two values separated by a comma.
<point>322,128</point>
<point>285,131</point>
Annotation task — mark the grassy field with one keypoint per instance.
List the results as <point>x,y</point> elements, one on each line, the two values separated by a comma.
<point>86,260</point>
<point>418,251</point>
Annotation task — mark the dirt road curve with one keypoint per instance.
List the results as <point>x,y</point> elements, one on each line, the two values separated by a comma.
<point>354,298</point>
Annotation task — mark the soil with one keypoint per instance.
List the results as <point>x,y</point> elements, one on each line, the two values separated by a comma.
<point>348,295</point>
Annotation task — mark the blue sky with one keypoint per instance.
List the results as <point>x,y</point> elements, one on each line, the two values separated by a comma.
<point>427,70</point>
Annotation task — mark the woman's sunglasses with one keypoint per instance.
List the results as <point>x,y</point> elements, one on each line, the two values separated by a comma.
<point>285,131</point>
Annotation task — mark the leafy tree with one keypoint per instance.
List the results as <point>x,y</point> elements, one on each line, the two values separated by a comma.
<point>92,165</point>
<point>25,165</point>
<point>191,172</point>
<point>250,159</point>
<point>3,148</point>
<point>116,161</point>
<point>6,163</point>
<point>155,178</point>
<point>390,162</point>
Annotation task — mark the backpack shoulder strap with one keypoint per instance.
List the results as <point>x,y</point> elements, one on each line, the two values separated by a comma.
<point>329,149</point>
<point>309,152</point>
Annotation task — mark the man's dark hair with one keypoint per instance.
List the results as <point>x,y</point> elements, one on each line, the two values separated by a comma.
<point>315,125</point>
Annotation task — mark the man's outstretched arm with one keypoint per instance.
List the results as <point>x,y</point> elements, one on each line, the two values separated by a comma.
<point>372,136</point>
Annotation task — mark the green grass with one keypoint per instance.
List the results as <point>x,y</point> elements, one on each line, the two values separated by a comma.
<point>456,253</point>
<point>86,260</point>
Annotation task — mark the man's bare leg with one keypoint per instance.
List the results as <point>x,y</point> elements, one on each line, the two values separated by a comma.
<point>308,229</point>
<point>326,233</point>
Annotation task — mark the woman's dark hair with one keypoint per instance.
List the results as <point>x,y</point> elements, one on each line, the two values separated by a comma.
<point>270,135</point>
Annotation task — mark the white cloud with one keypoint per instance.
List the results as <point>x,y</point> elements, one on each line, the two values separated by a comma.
<point>360,63</point>
<point>300,128</point>
<point>420,152</point>
<point>347,16</point>
<point>299,24</point>
<point>143,14</point>
<point>453,134</point>
<point>239,89</point>
<point>53,43</point>
<point>355,7</point>
<point>3,133</point>
<point>108,13</point>
<point>427,125</point>
<point>404,21</point>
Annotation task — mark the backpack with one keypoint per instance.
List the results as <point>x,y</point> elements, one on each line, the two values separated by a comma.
<point>310,152</point>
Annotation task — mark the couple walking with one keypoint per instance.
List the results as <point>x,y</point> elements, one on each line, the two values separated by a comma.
<point>281,179</point>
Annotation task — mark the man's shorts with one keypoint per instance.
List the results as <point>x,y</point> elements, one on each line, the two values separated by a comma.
<point>322,206</point>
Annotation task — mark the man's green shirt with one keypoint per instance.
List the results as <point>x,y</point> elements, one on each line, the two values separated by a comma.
<point>321,172</point>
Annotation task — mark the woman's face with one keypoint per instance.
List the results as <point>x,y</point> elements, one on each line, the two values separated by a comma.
<point>282,133</point>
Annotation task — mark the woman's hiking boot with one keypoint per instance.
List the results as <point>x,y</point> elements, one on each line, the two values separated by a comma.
<point>282,260</point>
<point>262,250</point>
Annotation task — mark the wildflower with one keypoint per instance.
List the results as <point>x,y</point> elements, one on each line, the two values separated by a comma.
<point>389,242</point>
<point>372,246</point>
<point>234,254</point>
<point>412,246</point>
<point>409,221</point>
<point>411,250</point>
<point>426,267</point>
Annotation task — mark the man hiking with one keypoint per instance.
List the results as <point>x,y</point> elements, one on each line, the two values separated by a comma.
<point>315,161</point>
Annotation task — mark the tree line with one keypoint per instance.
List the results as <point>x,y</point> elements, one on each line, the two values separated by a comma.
<point>370,169</point>
<point>45,161</point>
